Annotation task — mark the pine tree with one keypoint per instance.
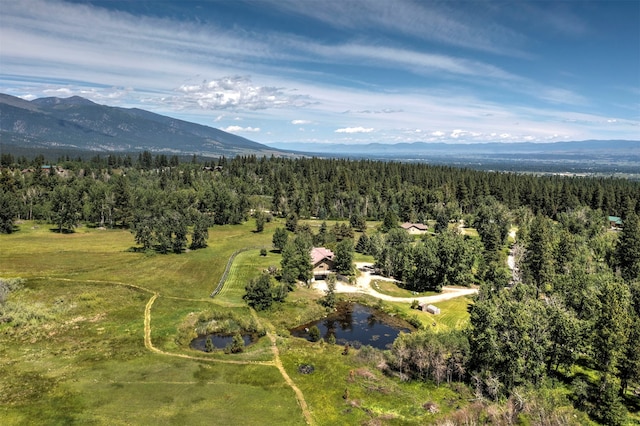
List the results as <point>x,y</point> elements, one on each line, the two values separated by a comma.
<point>258,293</point>
<point>628,249</point>
<point>280,237</point>
<point>363,244</point>
<point>343,259</point>
<point>200,232</point>
<point>538,259</point>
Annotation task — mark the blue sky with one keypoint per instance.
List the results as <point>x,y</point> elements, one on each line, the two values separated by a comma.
<point>341,71</point>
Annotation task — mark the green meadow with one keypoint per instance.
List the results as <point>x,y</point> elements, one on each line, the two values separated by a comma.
<point>99,335</point>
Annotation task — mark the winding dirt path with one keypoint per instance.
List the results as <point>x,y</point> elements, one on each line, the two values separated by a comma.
<point>274,349</point>
<point>299,395</point>
<point>148,343</point>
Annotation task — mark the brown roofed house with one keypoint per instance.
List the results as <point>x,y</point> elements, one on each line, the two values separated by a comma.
<point>322,261</point>
<point>415,228</point>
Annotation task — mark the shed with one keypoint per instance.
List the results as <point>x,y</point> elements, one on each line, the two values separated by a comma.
<point>433,309</point>
<point>429,308</point>
<point>615,222</point>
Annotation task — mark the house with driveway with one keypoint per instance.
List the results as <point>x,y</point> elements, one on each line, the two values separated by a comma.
<point>322,261</point>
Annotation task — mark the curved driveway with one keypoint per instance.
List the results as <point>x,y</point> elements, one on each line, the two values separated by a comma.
<point>363,285</point>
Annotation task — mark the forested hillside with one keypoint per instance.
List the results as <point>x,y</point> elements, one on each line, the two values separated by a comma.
<point>567,315</point>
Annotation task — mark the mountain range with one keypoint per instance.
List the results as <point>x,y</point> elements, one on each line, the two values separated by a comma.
<point>77,123</point>
<point>80,124</point>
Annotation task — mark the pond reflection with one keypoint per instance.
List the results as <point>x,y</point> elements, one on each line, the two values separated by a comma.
<point>357,325</point>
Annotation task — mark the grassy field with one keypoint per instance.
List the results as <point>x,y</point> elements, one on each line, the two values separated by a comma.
<point>75,352</point>
<point>78,355</point>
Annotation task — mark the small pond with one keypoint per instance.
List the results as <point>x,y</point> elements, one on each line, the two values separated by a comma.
<point>357,325</point>
<point>219,340</point>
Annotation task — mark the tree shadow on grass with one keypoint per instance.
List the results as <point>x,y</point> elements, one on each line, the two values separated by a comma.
<point>63,231</point>
<point>141,250</point>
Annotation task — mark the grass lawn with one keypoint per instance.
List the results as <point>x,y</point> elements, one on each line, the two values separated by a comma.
<point>391,289</point>
<point>453,314</point>
<point>246,266</point>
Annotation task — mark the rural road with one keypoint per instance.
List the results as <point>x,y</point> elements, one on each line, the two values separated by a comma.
<point>363,285</point>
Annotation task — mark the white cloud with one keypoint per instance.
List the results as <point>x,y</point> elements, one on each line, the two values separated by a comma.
<point>354,130</point>
<point>298,122</point>
<point>237,92</point>
<point>381,111</point>
<point>457,133</point>
<point>239,129</point>
<point>437,133</point>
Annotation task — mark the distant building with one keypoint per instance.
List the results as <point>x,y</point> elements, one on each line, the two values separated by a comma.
<point>415,228</point>
<point>322,261</point>
<point>212,169</point>
<point>615,222</point>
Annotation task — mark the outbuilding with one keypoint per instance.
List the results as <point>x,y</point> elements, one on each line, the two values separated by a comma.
<point>615,222</point>
<point>432,309</point>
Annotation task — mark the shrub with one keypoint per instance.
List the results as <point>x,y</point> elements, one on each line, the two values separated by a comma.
<point>208,345</point>
<point>237,345</point>
<point>314,333</point>
<point>331,339</point>
<point>414,320</point>
<point>8,285</point>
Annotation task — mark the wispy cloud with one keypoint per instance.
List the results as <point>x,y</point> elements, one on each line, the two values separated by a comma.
<point>430,21</point>
<point>411,60</point>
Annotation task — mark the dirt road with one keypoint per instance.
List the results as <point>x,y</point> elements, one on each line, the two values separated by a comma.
<point>363,285</point>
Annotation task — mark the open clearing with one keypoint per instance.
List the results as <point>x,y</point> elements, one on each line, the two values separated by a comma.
<point>97,341</point>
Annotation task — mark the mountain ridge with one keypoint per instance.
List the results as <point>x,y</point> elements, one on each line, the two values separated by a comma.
<point>78,123</point>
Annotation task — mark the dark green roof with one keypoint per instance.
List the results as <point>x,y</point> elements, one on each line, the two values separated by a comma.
<point>615,219</point>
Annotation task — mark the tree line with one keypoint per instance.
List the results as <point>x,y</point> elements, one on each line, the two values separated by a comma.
<point>111,191</point>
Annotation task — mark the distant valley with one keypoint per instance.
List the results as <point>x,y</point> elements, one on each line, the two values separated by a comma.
<point>579,157</point>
